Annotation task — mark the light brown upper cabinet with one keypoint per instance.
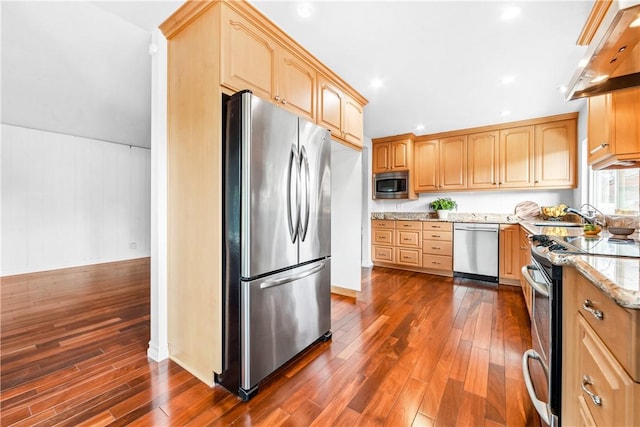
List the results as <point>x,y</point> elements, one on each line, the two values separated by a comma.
<point>482,156</point>
<point>614,129</point>
<point>536,153</point>
<point>516,157</point>
<point>555,154</point>
<point>339,113</point>
<point>253,60</point>
<point>453,163</point>
<point>440,164</point>
<point>426,170</point>
<point>392,154</point>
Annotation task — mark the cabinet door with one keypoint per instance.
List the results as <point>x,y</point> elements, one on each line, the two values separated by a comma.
<point>626,122</point>
<point>509,251</point>
<point>599,128</point>
<point>400,155</point>
<point>249,56</point>
<point>330,104</point>
<point>353,121</point>
<point>482,155</point>
<point>516,157</point>
<point>453,163</point>
<point>296,85</point>
<point>381,157</point>
<point>555,154</point>
<point>426,166</point>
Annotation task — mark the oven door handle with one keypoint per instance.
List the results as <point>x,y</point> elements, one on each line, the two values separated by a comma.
<point>541,407</point>
<point>541,288</point>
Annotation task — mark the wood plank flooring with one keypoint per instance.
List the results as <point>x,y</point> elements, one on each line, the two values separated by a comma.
<point>413,349</point>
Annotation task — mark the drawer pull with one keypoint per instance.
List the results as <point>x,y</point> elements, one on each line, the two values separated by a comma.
<point>435,262</point>
<point>406,225</point>
<point>435,235</point>
<point>406,257</point>
<point>586,380</point>
<point>407,239</point>
<point>435,247</point>
<point>588,306</point>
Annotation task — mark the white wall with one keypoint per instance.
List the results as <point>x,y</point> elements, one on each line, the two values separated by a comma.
<point>70,201</point>
<point>367,262</point>
<point>346,216</point>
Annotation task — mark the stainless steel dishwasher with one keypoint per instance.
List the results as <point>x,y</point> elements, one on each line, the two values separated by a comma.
<point>475,251</point>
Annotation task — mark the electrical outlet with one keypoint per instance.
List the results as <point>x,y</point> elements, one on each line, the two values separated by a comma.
<point>132,245</point>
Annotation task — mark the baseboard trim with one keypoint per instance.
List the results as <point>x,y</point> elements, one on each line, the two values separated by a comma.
<point>154,353</point>
<point>367,264</point>
<point>344,291</point>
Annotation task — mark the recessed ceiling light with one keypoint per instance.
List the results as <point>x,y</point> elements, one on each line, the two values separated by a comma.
<point>635,23</point>
<point>420,127</point>
<point>376,83</point>
<point>505,113</point>
<point>507,79</point>
<point>600,78</point>
<point>510,13</point>
<point>304,10</point>
<point>562,89</point>
<point>583,62</point>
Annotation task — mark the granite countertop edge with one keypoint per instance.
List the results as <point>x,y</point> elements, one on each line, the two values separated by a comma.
<point>453,217</point>
<point>622,296</point>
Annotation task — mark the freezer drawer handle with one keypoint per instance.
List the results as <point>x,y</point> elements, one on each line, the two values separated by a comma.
<point>541,407</point>
<point>586,380</point>
<point>541,288</point>
<point>277,282</point>
<point>588,306</point>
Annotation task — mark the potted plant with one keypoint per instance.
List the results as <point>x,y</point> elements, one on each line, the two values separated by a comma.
<point>442,206</point>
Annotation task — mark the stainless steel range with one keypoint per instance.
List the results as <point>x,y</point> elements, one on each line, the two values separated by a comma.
<point>542,364</point>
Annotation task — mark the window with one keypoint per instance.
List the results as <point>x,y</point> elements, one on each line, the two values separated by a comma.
<point>616,191</point>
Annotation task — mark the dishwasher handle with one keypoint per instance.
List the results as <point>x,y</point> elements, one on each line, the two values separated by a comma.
<point>491,230</point>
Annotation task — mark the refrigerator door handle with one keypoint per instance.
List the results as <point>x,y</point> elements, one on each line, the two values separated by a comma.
<point>304,165</point>
<point>277,282</point>
<point>293,225</point>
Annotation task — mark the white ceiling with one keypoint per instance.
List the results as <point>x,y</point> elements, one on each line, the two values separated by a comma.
<point>83,68</point>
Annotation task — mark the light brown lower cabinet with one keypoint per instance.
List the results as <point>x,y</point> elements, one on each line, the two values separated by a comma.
<point>601,357</point>
<point>525,259</point>
<point>424,246</point>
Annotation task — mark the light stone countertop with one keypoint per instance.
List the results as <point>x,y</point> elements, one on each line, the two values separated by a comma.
<point>618,278</point>
<point>489,218</point>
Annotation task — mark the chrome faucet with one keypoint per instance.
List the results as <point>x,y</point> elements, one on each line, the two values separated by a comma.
<point>591,217</point>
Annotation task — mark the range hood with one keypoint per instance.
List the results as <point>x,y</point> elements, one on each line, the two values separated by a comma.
<point>612,60</point>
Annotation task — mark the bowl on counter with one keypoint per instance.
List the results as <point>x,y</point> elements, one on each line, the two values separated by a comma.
<point>553,212</point>
<point>621,231</point>
<point>591,230</point>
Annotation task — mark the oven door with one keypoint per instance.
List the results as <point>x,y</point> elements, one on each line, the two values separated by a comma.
<point>535,361</point>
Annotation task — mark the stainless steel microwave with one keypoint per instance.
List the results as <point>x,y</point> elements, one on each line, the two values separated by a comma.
<point>391,185</point>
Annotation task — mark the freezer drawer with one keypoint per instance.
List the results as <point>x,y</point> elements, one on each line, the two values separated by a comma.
<point>281,315</point>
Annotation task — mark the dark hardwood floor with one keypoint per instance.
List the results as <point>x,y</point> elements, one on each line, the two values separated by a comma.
<point>413,349</point>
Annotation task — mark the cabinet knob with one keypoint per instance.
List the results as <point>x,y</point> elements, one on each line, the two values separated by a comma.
<point>536,181</point>
<point>284,101</point>
<point>277,98</point>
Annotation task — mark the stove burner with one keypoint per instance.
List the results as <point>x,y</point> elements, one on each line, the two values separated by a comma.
<point>557,247</point>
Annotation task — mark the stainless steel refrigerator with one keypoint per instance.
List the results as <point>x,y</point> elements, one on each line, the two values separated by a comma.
<point>277,248</point>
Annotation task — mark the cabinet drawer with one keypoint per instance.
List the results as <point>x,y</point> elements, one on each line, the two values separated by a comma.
<point>409,225</point>
<point>613,324</point>
<point>383,223</point>
<point>437,247</point>
<point>408,257</point>
<point>409,238</point>
<point>436,226</point>
<point>382,253</point>
<point>383,237</point>
<point>601,375</point>
<point>437,262</point>
<point>437,235</point>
